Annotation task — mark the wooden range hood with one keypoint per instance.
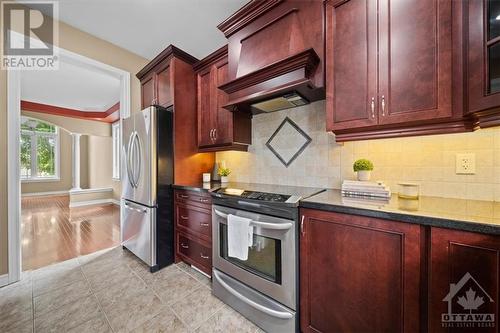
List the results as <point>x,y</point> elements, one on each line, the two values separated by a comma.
<point>275,55</point>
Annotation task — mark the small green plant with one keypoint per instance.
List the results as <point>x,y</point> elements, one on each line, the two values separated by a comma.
<point>362,165</point>
<point>224,172</point>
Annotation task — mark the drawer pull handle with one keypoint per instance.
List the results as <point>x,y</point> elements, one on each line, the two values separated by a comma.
<point>204,257</point>
<point>203,200</point>
<point>184,246</point>
<point>184,217</point>
<point>184,196</point>
<point>204,224</point>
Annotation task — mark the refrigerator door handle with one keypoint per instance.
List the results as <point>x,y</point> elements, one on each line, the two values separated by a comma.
<point>128,160</point>
<point>138,157</point>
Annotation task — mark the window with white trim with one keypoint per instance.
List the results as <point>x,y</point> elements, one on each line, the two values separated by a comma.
<point>39,150</point>
<point>116,149</point>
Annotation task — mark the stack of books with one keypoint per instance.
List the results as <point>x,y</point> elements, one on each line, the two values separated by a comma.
<point>354,188</point>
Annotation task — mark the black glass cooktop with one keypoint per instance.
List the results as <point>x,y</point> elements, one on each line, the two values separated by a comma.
<point>254,195</point>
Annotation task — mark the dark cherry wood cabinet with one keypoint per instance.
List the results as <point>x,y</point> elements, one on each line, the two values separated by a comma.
<point>351,64</point>
<point>193,229</point>
<point>218,128</point>
<point>362,274</point>
<point>483,61</point>
<point>157,77</point>
<point>156,88</point>
<point>148,90</point>
<point>169,80</point>
<point>359,274</point>
<point>394,68</point>
<point>468,261</point>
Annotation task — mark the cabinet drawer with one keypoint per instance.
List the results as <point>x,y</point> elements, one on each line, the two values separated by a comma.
<point>194,252</point>
<point>194,219</point>
<point>193,198</point>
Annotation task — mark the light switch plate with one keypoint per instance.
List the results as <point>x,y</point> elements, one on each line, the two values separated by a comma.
<point>466,164</point>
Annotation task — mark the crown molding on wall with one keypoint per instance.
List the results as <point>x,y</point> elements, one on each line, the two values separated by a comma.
<point>108,116</point>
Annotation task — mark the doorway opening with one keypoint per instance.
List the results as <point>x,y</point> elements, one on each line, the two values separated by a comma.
<point>65,163</point>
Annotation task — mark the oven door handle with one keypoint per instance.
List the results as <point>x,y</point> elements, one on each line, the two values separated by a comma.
<point>271,312</point>
<point>265,225</point>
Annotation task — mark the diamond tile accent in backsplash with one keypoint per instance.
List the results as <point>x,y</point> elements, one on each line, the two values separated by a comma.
<point>288,142</point>
<point>428,160</point>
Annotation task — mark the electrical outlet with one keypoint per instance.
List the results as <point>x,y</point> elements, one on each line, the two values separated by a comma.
<point>466,164</point>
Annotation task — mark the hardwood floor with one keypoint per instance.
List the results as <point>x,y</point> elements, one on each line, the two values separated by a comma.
<point>53,232</point>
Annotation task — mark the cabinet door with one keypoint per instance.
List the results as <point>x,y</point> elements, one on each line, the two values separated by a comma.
<point>415,60</point>
<point>205,107</point>
<point>148,90</point>
<point>351,64</point>
<point>483,55</point>
<point>224,117</point>
<point>470,261</point>
<point>163,85</point>
<point>359,274</point>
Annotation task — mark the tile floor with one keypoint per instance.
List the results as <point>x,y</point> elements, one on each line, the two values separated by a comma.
<point>111,291</point>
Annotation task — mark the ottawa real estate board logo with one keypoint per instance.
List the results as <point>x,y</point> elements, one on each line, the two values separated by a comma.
<point>29,33</point>
<point>469,305</point>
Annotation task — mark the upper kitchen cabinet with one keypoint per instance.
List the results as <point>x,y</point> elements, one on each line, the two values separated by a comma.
<point>391,68</point>
<point>275,55</point>
<point>483,57</point>
<point>218,128</point>
<point>156,77</point>
<point>170,81</point>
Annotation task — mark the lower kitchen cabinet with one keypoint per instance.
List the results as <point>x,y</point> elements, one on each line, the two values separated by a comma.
<point>469,261</point>
<point>193,229</point>
<point>359,274</point>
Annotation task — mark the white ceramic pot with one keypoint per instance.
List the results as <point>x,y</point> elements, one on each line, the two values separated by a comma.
<point>364,175</point>
<point>224,179</point>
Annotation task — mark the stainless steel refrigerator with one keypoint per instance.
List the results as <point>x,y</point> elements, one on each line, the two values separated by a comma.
<point>147,195</point>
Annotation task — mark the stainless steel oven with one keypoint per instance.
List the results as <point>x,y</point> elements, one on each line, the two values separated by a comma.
<point>271,267</point>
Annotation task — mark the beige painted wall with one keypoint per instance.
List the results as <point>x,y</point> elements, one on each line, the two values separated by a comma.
<point>100,164</point>
<point>427,160</point>
<point>84,44</point>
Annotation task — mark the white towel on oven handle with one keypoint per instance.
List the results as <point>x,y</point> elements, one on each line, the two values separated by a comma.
<point>239,236</point>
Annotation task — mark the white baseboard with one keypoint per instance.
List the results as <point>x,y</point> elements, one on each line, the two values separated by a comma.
<point>4,280</point>
<point>92,190</point>
<point>44,194</point>
<point>94,202</point>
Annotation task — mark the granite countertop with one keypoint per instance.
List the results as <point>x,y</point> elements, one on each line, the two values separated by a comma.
<point>468,215</point>
<point>198,186</point>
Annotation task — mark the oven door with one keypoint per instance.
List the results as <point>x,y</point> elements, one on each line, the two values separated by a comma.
<point>272,259</point>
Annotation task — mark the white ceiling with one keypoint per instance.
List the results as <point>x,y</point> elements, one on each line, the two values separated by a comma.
<point>71,87</point>
<point>146,27</point>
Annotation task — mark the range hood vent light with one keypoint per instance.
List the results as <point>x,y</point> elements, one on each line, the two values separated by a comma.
<point>287,101</point>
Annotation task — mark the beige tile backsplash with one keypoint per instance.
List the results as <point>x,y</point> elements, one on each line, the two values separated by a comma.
<point>428,160</point>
